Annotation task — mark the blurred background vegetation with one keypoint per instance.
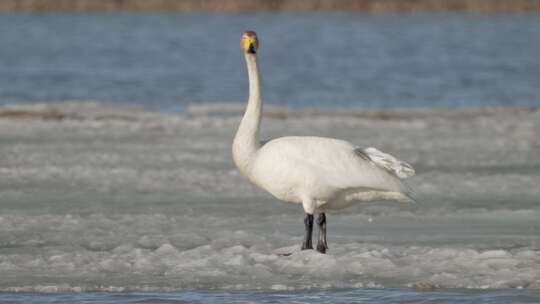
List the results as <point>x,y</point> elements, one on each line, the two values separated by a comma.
<point>293,6</point>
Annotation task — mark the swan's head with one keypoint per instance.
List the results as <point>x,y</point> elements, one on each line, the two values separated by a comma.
<point>249,42</point>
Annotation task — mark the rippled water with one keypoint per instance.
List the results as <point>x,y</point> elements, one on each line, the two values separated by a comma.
<point>372,296</point>
<point>169,61</point>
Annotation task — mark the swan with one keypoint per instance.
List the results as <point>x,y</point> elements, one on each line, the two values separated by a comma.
<point>319,173</point>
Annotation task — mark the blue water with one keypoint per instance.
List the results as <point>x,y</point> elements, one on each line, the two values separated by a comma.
<point>166,62</point>
<point>372,296</point>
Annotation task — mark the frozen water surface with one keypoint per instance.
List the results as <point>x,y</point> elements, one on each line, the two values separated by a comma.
<point>95,198</point>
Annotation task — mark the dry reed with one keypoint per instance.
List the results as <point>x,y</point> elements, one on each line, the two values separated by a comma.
<point>269,6</point>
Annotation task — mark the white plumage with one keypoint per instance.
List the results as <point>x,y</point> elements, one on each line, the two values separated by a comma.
<point>319,173</point>
<point>400,168</point>
<point>325,173</point>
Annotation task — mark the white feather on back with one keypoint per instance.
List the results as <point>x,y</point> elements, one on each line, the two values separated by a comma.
<point>400,168</point>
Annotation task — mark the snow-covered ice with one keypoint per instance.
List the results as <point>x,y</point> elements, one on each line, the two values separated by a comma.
<point>114,199</point>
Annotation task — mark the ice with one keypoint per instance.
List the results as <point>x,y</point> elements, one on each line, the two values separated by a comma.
<point>120,199</point>
<point>239,266</point>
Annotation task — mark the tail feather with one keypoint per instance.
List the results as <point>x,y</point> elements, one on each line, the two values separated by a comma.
<point>410,193</point>
<point>399,168</point>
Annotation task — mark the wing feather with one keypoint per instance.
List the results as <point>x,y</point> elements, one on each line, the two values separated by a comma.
<point>386,161</point>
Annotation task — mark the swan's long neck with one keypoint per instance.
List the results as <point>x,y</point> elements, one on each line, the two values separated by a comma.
<point>246,142</point>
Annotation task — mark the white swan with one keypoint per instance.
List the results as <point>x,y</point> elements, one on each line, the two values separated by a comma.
<point>319,173</point>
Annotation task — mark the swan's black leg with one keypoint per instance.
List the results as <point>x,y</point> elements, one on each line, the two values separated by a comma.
<point>308,221</point>
<point>321,242</point>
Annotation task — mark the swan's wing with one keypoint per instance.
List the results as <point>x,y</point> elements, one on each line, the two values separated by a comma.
<point>386,161</point>
<point>325,162</point>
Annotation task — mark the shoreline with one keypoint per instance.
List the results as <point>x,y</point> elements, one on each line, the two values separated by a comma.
<point>374,7</point>
<point>92,110</point>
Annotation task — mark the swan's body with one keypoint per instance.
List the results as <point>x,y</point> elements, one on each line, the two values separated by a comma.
<point>319,173</point>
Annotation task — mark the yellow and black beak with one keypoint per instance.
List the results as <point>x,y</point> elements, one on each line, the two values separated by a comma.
<point>251,48</point>
<point>250,44</point>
